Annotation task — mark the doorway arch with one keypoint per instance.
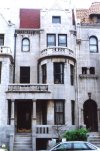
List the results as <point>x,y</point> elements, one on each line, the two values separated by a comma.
<point>90,115</point>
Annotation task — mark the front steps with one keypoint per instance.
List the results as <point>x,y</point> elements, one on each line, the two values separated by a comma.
<point>23,142</point>
<point>94,138</point>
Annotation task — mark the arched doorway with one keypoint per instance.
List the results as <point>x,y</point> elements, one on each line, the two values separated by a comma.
<point>90,115</point>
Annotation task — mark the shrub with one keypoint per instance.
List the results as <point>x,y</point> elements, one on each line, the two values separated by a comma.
<point>76,135</point>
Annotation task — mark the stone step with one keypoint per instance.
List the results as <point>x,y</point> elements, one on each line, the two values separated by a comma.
<point>23,142</point>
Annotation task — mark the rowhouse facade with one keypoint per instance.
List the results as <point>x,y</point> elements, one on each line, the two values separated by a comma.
<point>49,75</point>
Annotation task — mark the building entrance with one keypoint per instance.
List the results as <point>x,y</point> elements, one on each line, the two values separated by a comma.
<point>24,113</point>
<point>90,115</point>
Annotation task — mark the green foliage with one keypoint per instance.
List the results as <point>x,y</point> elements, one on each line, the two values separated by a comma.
<point>76,135</point>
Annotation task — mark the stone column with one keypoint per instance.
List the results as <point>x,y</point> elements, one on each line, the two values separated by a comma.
<point>12,111</point>
<point>34,126</point>
<point>82,118</point>
<point>34,113</point>
<point>98,115</point>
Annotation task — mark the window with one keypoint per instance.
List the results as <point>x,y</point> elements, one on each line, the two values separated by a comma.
<point>51,40</point>
<point>0,71</point>
<point>56,19</point>
<point>1,39</point>
<point>93,43</point>
<point>25,44</point>
<point>9,112</point>
<point>72,74</point>
<point>24,74</point>
<point>62,40</point>
<point>84,70</point>
<point>58,73</point>
<point>44,73</point>
<point>92,70</point>
<point>59,112</point>
<point>73,111</point>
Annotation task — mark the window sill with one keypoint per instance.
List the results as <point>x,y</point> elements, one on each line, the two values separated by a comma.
<point>92,76</point>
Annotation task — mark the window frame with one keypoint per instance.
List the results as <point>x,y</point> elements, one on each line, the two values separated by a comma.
<point>62,44</point>
<point>25,45</point>
<point>50,44</point>
<point>56,19</point>
<point>44,73</point>
<point>2,39</point>
<point>73,111</point>
<point>72,74</point>
<point>60,113</point>
<point>95,45</point>
<point>58,75</point>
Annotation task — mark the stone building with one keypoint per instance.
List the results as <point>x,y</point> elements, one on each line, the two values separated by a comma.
<point>49,74</point>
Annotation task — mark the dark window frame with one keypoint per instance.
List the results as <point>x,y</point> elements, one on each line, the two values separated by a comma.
<point>73,111</point>
<point>72,74</point>
<point>59,112</point>
<point>1,39</point>
<point>26,45</point>
<point>9,112</point>
<point>51,43</point>
<point>44,73</point>
<point>64,44</point>
<point>56,19</point>
<point>95,45</point>
<point>58,72</point>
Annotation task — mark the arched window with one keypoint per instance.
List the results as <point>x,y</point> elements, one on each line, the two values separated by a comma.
<point>25,44</point>
<point>93,44</point>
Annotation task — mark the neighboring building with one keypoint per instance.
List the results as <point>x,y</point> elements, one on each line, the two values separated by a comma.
<point>49,74</point>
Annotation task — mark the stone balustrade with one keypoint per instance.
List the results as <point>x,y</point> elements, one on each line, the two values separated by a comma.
<point>50,51</point>
<point>27,87</point>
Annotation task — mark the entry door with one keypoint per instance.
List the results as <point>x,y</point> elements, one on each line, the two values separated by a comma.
<point>24,110</point>
<point>90,115</point>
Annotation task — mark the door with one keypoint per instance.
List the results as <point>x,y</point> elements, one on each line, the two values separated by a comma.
<point>90,115</point>
<point>24,111</point>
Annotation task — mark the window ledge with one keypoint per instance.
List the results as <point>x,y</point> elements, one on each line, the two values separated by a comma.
<point>93,76</point>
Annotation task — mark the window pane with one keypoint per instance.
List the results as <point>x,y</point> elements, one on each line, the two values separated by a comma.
<point>51,41</point>
<point>84,70</point>
<point>25,44</point>
<point>92,40</point>
<point>93,48</point>
<point>59,112</point>
<point>72,74</point>
<point>44,73</point>
<point>62,40</point>
<point>1,39</point>
<point>92,70</point>
<point>56,19</point>
<point>58,73</point>
<point>93,44</point>
<point>80,146</point>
